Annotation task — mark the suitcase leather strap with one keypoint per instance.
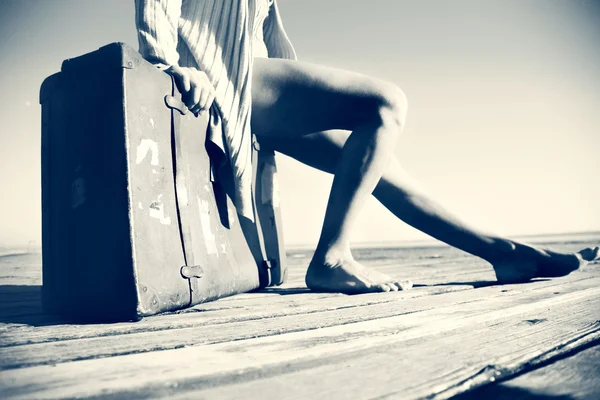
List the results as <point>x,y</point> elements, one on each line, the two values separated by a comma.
<point>257,160</point>
<point>181,170</point>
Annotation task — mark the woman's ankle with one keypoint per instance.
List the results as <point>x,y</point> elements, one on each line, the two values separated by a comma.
<point>499,249</point>
<point>331,253</point>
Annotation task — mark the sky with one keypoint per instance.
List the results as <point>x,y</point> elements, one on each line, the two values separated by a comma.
<point>504,105</point>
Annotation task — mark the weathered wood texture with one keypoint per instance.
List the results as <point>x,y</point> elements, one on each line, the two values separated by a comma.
<point>573,378</point>
<point>454,331</point>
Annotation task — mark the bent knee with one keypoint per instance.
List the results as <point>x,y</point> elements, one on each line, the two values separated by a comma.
<point>392,105</point>
<point>387,107</point>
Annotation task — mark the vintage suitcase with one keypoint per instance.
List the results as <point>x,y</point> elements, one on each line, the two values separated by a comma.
<point>131,223</point>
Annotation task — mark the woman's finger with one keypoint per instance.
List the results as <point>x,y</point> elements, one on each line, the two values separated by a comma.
<point>194,95</point>
<point>184,79</point>
<point>196,109</point>
<point>205,95</point>
<point>208,95</point>
<point>210,100</point>
<point>197,92</point>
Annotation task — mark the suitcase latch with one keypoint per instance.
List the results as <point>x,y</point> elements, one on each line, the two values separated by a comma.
<point>192,271</point>
<point>175,104</point>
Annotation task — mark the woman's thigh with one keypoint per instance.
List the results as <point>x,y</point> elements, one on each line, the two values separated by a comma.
<point>292,98</point>
<point>320,150</point>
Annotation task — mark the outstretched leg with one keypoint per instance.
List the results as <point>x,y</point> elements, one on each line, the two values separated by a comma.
<point>292,99</point>
<point>512,261</point>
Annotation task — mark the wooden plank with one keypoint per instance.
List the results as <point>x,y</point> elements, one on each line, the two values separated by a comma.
<point>56,348</point>
<point>575,377</point>
<point>215,313</point>
<point>269,304</point>
<point>506,325</point>
<point>13,318</point>
<point>428,367</point>
<point>280,301</point>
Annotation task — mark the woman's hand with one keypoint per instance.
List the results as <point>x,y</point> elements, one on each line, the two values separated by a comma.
<point>197,93</point>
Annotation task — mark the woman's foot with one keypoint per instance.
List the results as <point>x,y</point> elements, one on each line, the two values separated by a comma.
<point>343,274</point>
<point>525,262</point>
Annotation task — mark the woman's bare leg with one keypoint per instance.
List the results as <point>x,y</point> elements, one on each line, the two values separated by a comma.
<point>396,190</point>
<point>292,99</point>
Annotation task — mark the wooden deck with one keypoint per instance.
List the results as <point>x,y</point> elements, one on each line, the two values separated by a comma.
<point>454,331</point>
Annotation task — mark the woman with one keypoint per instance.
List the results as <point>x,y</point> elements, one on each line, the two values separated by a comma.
<point>236,54</point>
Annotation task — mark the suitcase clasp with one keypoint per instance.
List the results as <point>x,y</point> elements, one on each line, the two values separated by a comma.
<point>192,271</point>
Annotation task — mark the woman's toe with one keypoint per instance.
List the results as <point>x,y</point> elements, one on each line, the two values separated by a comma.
<point>393,287</point>
<point>381,287</point>
<point>404,285</point>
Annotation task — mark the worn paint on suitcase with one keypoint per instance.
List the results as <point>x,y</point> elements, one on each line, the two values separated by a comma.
<point>130,224</point>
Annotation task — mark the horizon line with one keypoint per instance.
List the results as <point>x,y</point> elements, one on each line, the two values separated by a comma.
<point>377,243</point>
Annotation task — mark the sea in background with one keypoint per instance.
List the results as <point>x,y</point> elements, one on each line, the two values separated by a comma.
<point>16,250</point>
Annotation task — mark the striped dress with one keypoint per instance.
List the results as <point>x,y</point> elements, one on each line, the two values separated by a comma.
<point>221,38</point>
